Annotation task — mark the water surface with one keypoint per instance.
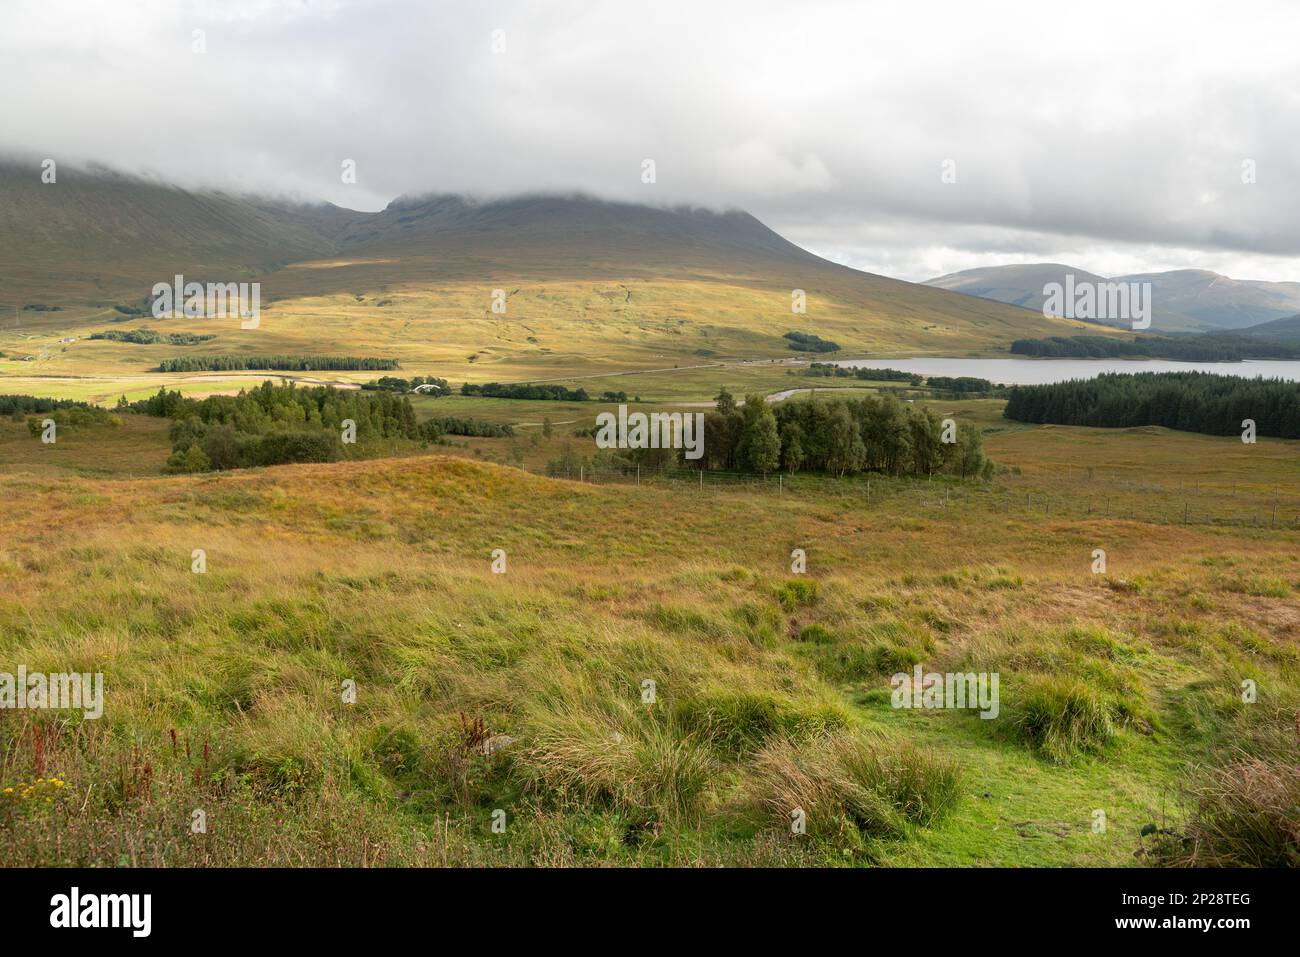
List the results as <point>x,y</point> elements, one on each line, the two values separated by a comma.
<point>1043,371</point>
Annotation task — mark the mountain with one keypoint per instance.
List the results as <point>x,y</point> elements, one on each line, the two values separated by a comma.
<point>100,235</point>
<point>1278,330</point>
<point>1020,285</point>
<point>1184,300</point>
<point>1212,301</point>
<point>595,280</point>
<point>615,231</point>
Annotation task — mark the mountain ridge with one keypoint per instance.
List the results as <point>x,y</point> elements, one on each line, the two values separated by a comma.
<point>1185,300</point>
<point>91,242</point>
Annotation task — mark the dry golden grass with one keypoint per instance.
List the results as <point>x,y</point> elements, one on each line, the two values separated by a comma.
<point>379,572</point>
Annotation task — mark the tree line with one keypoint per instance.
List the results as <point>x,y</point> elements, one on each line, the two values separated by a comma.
<point>432,386</point>
<point>960,385</point>
<point>290,363</point>
<point>150,337</point>
<point>807,342</point>
<point>829,434</point>
<point>1188,401</point>
<point>830,369</point>
<point>272,425</point>
<point>1207,347</point>
<point>522,390</point>
<point>439,425</point>
<point>19,405</point>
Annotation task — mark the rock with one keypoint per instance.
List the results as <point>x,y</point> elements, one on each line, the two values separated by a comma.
<point>496,743</point>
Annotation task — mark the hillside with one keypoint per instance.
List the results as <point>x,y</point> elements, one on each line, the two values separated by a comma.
<point>378,572</point>
<point>1280,330</point>
<point>97,236</point>
<point>1018,285</point>
<point>1184,300</point>
<point>592,286</point>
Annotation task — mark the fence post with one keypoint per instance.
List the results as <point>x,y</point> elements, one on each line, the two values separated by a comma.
<point>701,479</point>
<point>582,472</point>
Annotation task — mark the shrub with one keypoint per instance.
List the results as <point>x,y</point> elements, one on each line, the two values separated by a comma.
<point>279,448</point>
<point>191,460</point>
<point>222,447</point>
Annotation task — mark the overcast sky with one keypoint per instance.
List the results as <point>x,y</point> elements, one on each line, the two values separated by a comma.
<point>1110,136</point>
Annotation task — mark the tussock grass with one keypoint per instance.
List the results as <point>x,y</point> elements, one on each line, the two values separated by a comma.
<point>614,759</point>
<point>853,786</point>
<point>737,722</point>
<point>1061,717</point>
<point>1247,815</point>
<point>769,689</point>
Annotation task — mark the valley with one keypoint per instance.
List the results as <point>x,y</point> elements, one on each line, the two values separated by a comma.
<point>668,663</point>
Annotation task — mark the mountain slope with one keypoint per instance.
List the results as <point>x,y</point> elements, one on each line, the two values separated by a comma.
<point>1184,300</point>
<point>101,236</point>
<point>434,224</point>
<point>1219,302</point>
<point>591,284</point>
<point>1279,330</point>
<point>1019,285</point>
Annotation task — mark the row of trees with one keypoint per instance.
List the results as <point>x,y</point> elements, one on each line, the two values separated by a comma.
<point>150,337</point>
<point>75,417</point>
<point>807,342</point>
<point>232,363</point>
<point>830,369</point>
<point>269,407</point>
<point>545,391</point>
<point>440,425</point>
<point>429,385</point>
<point>1190,401</point>
<point>19,405</point>
<point>273,425</point>
<point>833,435</point>
<point>960,385</point>
<point>1207,347</point>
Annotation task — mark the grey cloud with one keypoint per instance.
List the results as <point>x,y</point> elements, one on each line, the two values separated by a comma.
<point>1119,131</point>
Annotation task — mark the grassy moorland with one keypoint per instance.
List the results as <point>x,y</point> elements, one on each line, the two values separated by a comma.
<point>588,288</point>
<point>556,330</point>
<point>523,692</point>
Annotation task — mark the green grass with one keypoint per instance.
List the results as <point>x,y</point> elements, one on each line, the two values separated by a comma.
<point>766,684</point>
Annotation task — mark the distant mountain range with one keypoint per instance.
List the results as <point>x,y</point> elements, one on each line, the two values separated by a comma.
<point>1184,300</point>
<point>97,238</point>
